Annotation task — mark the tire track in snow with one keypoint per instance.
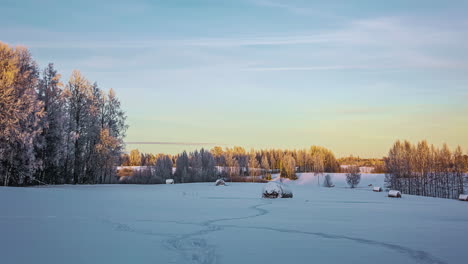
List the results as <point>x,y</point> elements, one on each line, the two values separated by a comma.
<point>419,256</point>
<point>197,250</point>
<point>121,227</point>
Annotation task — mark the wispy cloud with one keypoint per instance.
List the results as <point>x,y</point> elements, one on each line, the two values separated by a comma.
<point>379,32</point>
<point>378,43</point>
<point>295,9</point>
<point>311,68</point>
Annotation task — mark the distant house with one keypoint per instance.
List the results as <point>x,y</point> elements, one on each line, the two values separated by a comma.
<point>361,169</point>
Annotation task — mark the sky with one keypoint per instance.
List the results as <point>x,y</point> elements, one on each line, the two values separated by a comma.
<point>352,76</point>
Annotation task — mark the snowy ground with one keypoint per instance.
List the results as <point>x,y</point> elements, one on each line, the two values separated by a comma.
<point>202,223</point>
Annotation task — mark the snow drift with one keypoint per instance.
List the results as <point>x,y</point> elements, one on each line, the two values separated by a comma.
<point>276,190</point>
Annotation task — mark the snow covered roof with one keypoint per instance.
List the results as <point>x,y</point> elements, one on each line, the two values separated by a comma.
<point>377,189</point>
<point>394,193</point>
<point>463,197</point>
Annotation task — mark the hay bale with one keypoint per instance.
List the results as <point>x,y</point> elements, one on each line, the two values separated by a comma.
<point>170,181</point>
<point>276,190</point>
<point>220,182</point>
<point>377,189</point>
<point>394,194</point>
<point>463,197</point>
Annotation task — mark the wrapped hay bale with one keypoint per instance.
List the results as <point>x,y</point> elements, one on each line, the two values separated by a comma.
<point>463,197</point>
<point>170,181</point>
<point>377,189</point>
<point>220,182</point>
<point>394,194</point>
<point>276,190</point>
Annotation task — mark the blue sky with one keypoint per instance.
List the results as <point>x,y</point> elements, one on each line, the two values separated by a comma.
<point>352,76</point>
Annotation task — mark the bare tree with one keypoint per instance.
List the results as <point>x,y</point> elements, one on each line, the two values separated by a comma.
<point>288,167</point>
<point>135,158</point>
<point>254,166</point>
<point>424,170</point>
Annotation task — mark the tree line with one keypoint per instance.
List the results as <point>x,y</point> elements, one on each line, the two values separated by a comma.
<point>230,163</point>
<point>378,165</point>
<point>52,133</point>
<point>426,170</point>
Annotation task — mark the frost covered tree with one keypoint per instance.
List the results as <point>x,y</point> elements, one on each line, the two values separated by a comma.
<point>163,167</point>
<point>52,135</point>
<point>182,168</point>
<point>318,161</point>
<point>108,150</point>
<point>232,165</point>
<point>52,151</point>
<point>266,167</point>
<point>209,172</point>
<point>254,166</point>
<point>353,177</point>
<point>80,92</point>
<point>20,116</point>
<point>423,170</point>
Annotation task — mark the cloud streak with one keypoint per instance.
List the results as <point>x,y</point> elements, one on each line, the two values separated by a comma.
<point>380,43</point>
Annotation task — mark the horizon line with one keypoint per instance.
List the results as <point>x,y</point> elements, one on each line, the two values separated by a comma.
<point>170,143</point>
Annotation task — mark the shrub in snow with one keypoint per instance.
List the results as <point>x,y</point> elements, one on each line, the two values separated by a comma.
<point>377,189</point>
<point>276,190</point>
<point>170,181</point>
<point>394,194</point>
<point>463,197</point>
<point>328,181</point>
<point>353,177</point>
<point>220,182</point>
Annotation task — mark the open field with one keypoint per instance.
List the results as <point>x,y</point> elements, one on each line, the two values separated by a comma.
<point>202,223</point>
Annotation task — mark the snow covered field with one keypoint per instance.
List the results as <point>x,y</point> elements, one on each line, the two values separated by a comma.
<point>203,223</point>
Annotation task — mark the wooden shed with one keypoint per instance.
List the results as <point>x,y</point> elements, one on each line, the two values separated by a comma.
<point>394,194</point>
<point>463,197</point>
<point>377,189</point>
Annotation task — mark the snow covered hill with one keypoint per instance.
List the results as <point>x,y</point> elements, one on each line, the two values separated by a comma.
<point>203,223</point>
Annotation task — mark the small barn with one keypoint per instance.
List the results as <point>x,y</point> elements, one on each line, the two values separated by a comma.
<point>220,182</point>
<point>276,190</point>
<point>377,189</point>
<point>170,181</point>
<point>463,197</point>
<point>394,194</point>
